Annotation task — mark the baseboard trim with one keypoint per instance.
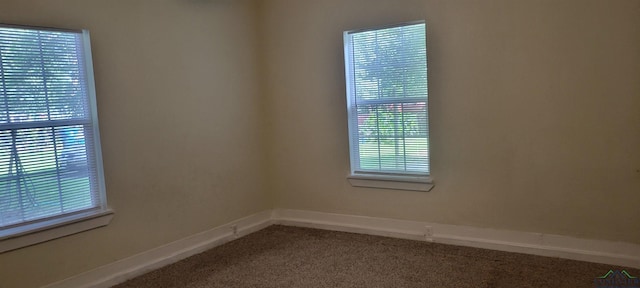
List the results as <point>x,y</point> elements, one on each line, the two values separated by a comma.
<point>598,251</point>
<point>122,270</point>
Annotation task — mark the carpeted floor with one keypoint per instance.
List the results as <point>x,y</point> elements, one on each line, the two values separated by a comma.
<point>281,256</point>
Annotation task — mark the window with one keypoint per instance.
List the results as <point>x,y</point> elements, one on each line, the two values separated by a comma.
<point>387,103</point>
<point>50,161</point>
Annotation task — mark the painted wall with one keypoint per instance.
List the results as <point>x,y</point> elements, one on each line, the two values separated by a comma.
<point>535,117</point>
<point>535,112</point>
<point>178,101</point>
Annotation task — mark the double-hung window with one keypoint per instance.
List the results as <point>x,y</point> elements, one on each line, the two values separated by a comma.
<point>50,161</point>
<point>387,103</point>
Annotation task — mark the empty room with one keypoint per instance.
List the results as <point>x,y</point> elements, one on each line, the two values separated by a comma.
<point>327,143</point>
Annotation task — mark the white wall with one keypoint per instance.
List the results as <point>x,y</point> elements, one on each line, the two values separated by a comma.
<point>534,117</point>
<point>178,101</point>
<point>535,113</point>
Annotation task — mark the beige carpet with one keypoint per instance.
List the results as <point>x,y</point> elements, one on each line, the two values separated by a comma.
<point>282,256</point>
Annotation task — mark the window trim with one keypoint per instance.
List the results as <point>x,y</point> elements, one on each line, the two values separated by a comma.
<point>38,232</point>
<point>394,25</point>
<point>397,181</point>
<point>93,106</point>
<point>31,233</point>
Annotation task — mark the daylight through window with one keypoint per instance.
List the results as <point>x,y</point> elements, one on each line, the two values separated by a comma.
<point>50,163</point>
<point>386,73</point>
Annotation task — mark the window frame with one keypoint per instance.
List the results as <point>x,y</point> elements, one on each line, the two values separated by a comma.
<point>412,181</point>
<point>28,233</point>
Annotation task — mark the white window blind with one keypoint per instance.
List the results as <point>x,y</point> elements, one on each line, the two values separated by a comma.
<point>50,163</point>
<point>387,99</point>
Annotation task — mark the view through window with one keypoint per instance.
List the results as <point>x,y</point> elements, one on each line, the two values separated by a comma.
<point>386,73</point>
<point>49,150</point>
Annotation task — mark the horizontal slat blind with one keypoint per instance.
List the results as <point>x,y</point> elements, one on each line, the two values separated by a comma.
<point>47,155</point>
<point>387,72</point>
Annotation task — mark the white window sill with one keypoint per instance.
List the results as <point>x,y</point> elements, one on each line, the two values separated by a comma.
<point>27,235</point>
<point>410,183</point>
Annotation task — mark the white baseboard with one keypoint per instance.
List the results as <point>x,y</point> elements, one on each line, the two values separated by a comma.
<point>122,270</point>
<point>598,251</point>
